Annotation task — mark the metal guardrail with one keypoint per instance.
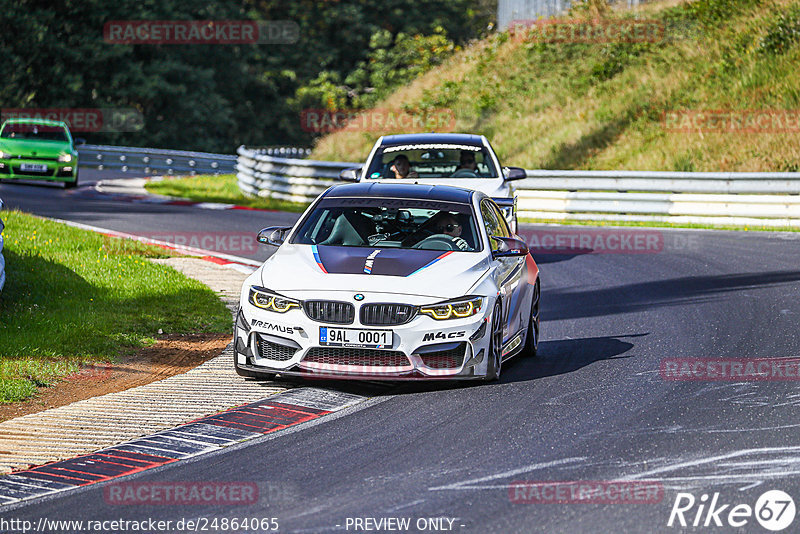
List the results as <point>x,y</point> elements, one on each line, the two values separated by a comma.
<point>744,198</point>
<point>757,198</point>
<point>660,181</point>
<point>159,161</point>
<point>293,179</point>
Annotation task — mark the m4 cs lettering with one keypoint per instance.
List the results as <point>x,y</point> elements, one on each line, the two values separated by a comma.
<point>273,327</point>
<point>431,336</point>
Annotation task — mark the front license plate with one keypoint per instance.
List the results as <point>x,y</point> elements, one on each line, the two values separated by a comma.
<point>351,337</point>
<point>35,167</point>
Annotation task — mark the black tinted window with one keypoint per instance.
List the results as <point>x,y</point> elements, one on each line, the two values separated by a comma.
<point>399,223</point>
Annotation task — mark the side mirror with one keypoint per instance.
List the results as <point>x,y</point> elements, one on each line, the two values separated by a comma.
<point>78,141</point>
<point>509,247</point>
<point>514,173</point>
<point>350,175</point>
<point>274,235</point>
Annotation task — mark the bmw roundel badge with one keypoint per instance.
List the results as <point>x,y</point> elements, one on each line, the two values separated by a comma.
<point>359,296</point>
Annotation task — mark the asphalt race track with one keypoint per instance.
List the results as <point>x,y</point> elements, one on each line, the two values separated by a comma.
<point>593,406</point>
<point>168,223</point>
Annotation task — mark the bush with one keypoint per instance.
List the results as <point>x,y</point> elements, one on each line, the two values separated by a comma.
<point>783,33</point>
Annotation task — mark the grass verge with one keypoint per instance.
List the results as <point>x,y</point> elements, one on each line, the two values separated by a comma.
<point>74,297</point>
<point>218,188</point>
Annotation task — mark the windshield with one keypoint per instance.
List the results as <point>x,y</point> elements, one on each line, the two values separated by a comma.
<point>432,161</point>
<point>39,132</point>
<point>398,223</point>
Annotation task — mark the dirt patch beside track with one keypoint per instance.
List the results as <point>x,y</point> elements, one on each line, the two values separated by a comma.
<point>171,355</point>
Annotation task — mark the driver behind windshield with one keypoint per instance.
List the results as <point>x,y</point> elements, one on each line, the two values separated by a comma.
<point>449,225</point>
<point>467,166</point>
<point>467,161</point>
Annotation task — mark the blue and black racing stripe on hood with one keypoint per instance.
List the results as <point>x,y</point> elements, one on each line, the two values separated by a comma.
<point>378,261</point>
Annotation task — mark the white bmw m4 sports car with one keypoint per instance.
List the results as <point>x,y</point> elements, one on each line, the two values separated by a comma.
<point>390,281</point>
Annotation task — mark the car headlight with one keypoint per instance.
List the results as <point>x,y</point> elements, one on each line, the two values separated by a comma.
<point>65,158</point>
<point>266,300</point>
<point>4,155</point>
<point>454,309</point>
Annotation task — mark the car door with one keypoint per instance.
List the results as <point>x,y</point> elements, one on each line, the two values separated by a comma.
<point>515,282</point>
<point>508,271</point>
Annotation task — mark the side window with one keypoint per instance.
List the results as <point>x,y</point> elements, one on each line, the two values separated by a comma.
<point>490,221</point>
<point>506,232</point>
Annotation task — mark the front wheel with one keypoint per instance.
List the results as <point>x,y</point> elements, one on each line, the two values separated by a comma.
<point>532,337</point>
<point>495,345</point>
<point>71,185</point>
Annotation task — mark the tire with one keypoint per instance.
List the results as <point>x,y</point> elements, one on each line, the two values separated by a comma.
<point>494,355</point>
<point>532,336</point>
<point>72,185</point>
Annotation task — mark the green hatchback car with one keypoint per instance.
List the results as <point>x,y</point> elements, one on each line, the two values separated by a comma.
<point>38,149</point>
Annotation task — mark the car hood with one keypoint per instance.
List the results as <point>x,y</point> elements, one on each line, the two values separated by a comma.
<point>28,147</point>
<point>432,273</point>
<point>493,187</point>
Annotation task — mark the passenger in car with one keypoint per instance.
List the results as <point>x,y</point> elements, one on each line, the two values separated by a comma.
<point>401,167</point>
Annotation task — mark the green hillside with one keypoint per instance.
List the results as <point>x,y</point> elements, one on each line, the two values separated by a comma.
<point>607,105</point>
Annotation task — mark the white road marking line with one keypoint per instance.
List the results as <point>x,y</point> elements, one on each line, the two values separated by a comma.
<point>396,508</point>
<point>468,484</point>
<point>708,460</point>
<point>750,486</point>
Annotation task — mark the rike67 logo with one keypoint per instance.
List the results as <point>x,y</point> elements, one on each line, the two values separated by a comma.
<point>774,510</point>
